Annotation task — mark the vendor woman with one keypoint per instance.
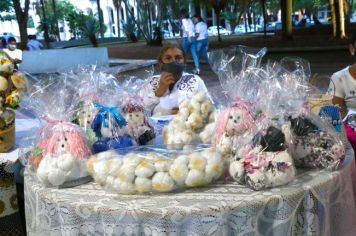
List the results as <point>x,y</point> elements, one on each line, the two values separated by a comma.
<point>164,92</point>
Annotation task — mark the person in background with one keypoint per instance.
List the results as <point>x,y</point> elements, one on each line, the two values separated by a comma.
<point>2,43</point>
<point>33,44</point>
<point>343,88</point>
<point>165,91</point>
<point>201,34</point>
<point>12,53</point>
<point>188,39</point>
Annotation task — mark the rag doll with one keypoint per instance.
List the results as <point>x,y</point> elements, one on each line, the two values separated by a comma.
<point>266,163</point>
<point>137,124</point>
<point>313,147</point>
<point>84,116</point>
<point>108,126</point>
<point>61,155</point>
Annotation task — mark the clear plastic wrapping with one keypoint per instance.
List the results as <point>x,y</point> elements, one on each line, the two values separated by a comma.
<point>193,124</point>
<point>60,152</point>
<point>156,170</point>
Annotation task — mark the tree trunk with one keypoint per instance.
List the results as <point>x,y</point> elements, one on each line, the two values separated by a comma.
<point>100,19</point>
<point>22,17</point>
<point>341,7</point>
<point>56,19</point>
<point>218,20</point>
<point>45,28</point>
<point>333,17</point>
<point>286,8</point>
<point>118,21</point>
<point>263,5</point>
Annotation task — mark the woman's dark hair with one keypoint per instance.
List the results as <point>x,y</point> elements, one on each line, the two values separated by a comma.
<point>353,38</point>
<point>198,17</point>
<point>184,13</point>
<point>168,46</point>
<point>11,39</point>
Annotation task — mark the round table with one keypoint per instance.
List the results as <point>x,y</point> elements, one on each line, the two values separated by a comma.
<point>315,203</point>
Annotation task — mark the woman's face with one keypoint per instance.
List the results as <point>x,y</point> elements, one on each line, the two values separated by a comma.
<point>173,55</point>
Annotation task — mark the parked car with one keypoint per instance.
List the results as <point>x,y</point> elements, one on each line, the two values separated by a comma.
<point>213,31</point>
<point>240,29</point>
<point>167,34</point>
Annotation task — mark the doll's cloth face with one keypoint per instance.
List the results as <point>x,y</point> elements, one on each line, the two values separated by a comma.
<point>135,119</point>
<point>86,115</point>
<point>239,121</point>
<point>62,145</point>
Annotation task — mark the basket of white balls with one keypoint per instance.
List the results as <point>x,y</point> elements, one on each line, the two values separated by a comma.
<point>149,170</point>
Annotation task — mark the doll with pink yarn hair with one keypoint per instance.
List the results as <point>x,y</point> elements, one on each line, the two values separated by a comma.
<point>61,154</point>
<point>231,128</point>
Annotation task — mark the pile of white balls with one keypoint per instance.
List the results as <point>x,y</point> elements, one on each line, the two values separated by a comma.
<point>152,172</point>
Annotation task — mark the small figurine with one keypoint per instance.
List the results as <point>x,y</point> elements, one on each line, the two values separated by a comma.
<point>108,126</point>
<point>137,124</point>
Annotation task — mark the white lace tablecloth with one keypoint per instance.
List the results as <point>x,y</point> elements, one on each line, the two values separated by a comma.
<point>316,203</point>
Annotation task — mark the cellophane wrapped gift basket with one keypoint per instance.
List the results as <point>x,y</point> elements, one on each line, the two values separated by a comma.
<point>61,149</point>
<point>154,169</point>
<point>12,86</point>
<point>257,131</point>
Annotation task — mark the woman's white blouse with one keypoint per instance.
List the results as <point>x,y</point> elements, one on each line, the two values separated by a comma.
<point>185,87</point>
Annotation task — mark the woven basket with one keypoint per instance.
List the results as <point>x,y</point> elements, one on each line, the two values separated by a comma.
<point>318,101</point>
<point>7,136</point>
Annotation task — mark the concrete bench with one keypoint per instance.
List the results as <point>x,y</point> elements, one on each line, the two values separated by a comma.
<point>59,60</point>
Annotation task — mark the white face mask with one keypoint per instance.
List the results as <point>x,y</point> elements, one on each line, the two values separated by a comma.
<point>12,46</point>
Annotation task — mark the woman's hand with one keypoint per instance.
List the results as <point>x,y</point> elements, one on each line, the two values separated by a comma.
<point>165,81</point>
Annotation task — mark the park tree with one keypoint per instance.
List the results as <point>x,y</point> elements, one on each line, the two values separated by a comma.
<point>22,17</point>
<point>338,9</point>
<point>6,7</point>
<point>117,5</point>
<point>101,21</point>
<point>218,6</point>
<point>286,11</point>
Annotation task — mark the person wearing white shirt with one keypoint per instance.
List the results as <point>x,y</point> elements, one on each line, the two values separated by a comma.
<point>163,93</point>
<point>12,53</point>
<point>201,34</point>
<point>188,39</point>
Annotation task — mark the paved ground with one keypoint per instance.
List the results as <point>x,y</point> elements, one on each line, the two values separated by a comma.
<point>323,63</point>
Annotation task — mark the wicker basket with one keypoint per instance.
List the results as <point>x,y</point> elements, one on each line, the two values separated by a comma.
<point>318,101</point>
<point>7,135</point>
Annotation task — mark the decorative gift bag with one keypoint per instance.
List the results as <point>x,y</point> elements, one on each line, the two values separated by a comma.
<point>12,88</point>
<point>10,221</point>
<point>60,151</point>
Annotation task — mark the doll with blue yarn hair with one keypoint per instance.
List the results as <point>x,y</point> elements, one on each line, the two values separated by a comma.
<point>333,114</point>
<point>109,127</point>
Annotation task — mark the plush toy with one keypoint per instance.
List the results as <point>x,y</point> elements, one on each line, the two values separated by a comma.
<point>193,116</point>
<point>84,116</point>
<point>312,147</point>
<point>108,126</point>
<point>233,123</point>
<point>137,124</point>
<point>259,170</point>
<point>61,156</point>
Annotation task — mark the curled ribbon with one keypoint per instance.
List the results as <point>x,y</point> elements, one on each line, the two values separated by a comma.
<point>112,110</point>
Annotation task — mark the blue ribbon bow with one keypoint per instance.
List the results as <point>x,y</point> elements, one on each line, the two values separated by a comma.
<point>104,110</point>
